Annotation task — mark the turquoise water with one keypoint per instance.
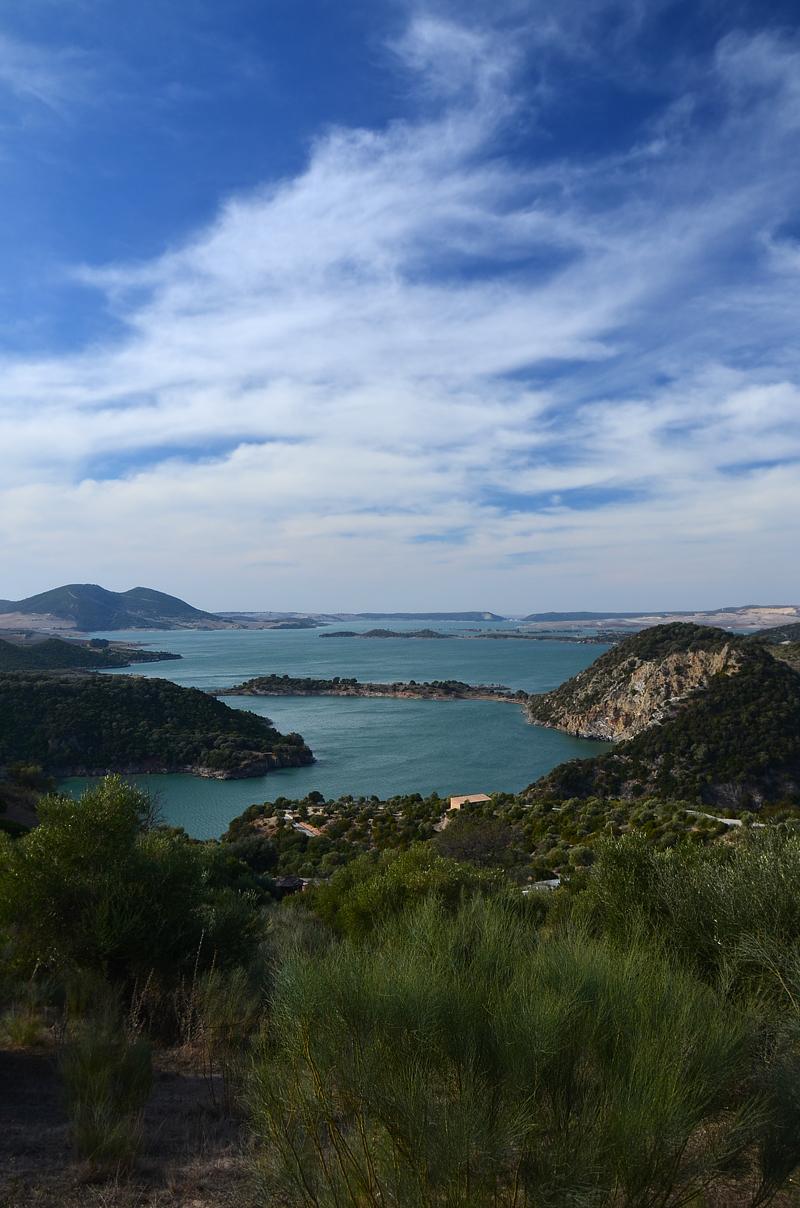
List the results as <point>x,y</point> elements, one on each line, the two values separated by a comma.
<point>369,746</point>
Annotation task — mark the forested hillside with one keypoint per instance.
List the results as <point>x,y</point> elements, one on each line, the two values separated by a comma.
<point>96,723</point>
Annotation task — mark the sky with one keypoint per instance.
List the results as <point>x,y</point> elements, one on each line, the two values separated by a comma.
<point>386,304</point>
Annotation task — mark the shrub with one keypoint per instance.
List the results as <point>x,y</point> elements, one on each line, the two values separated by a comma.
<point>228,1011</point>
<point>91,888</point>
<point>368,892</point>
<point>716,908</point>
<point>458,1060</point>
<point>21,1027</point>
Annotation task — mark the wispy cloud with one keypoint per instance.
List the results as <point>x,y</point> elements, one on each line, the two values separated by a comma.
<point>422,372</point>
<point>41,75</point>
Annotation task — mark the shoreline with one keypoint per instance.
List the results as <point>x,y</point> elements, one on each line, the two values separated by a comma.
<point>246,771</point>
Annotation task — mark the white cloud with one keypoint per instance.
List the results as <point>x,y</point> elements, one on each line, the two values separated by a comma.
<point>324,399</point>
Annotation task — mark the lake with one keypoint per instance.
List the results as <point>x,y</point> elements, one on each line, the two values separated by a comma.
<point>368,746</point>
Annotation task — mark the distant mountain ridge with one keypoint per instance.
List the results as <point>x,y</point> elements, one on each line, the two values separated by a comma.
<point>87,606</point>
<point>739,616</point>
<point>419,616</point>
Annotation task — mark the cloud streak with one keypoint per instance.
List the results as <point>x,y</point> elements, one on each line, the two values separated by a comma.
<point>422,372</point>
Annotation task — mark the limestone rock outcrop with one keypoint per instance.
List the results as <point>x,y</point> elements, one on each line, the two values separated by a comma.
<point>640,684</point>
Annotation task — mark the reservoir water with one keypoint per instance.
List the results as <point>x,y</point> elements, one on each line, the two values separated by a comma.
<point>368,746</point>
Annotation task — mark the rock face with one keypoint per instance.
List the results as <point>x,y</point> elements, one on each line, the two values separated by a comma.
<point>641,683</point>
<point>718,724</point>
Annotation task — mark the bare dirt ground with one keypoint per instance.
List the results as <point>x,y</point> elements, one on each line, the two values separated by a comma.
<point>192,1155</point>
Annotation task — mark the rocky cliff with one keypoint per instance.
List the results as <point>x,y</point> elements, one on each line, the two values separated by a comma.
<point>641,683</point>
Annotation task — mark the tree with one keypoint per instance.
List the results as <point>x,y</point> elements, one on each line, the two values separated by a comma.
<point>368,891</point>
<point>487,842</point>
<point>92,887</point>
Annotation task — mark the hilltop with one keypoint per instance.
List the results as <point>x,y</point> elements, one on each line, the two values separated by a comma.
<point>87,606</point>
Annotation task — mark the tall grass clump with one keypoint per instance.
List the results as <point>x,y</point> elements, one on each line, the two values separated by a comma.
<point>228,1011</point>
<point>107,1074</point>
<point>27,1012</point>
<point>458,1060</point>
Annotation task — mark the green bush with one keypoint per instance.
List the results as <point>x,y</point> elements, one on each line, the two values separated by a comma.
<point>91,888</point>
<point>368,892</point>
<point>728,911</point>
<point>458,1060</point>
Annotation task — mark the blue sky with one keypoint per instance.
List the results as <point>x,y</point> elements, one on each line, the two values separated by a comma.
<point>307,303</point>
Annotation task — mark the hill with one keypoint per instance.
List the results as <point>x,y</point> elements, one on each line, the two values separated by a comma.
<point>55,654</point>
<point>536,618</point>
<point>92,724</point>
<point>710,718</point>
<point>86,607</point>
<point>639,682</point>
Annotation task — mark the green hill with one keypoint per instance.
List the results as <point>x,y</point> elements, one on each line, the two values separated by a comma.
<point>733,742</point>
<point>88,607</point>
<point>640,682</point>
<point>73,725</point>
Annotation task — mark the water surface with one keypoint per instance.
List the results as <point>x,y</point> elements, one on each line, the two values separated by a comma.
<point>369,746</point>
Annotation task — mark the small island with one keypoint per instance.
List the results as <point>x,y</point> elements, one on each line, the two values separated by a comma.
<point>288,685</point>
<point>386,633</point>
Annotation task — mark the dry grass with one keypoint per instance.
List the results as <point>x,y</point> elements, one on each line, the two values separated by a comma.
<point>192,1154</point>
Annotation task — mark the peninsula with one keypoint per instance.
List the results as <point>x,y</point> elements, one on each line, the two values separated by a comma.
<point>25,652</point>
<point>287,685</point>
<point>88,725</point>
<point>696,714</point>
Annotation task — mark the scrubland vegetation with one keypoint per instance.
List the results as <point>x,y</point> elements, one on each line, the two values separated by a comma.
<point>420,1027</point>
